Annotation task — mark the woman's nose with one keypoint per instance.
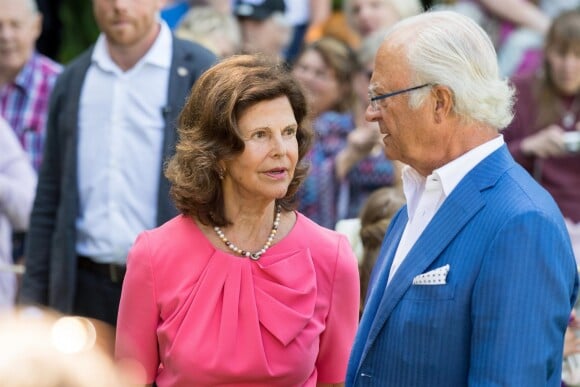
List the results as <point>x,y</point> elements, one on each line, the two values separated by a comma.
<point>278,145</point>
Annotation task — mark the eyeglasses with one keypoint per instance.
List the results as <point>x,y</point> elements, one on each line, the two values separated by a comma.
<point>373,100</point>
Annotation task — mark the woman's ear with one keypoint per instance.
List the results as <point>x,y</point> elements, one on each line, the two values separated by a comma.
<point>221,169</point>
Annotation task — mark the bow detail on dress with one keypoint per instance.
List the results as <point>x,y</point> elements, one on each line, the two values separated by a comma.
<point>285,291</point>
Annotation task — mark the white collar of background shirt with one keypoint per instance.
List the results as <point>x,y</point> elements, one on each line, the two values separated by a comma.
<point>449,174</point>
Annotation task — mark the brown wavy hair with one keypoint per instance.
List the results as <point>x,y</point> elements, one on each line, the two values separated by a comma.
<point>208,132</point>
<point>342,60</point>
<point>375,218</point>
<point>563,36</point>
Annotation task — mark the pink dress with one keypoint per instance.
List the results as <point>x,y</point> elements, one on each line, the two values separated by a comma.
<point>193,315</point>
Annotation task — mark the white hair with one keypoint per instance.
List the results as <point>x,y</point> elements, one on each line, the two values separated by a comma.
<point>450,49</point>
<point>31,5</point>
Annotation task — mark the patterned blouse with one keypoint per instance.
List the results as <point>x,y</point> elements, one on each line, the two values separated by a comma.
<point>325,199</point>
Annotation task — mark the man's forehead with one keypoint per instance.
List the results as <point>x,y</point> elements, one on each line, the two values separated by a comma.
<point>391,55</point>
<point>18,8</point>
<point>402,35</point>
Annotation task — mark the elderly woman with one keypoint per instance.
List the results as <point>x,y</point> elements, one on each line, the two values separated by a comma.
<point>240,289</point>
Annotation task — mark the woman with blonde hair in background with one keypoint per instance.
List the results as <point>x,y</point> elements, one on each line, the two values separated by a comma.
<point>217,31</point>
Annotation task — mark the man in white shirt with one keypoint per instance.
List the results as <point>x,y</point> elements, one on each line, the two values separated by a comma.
<point>476,277</point>
<point>111,126</point>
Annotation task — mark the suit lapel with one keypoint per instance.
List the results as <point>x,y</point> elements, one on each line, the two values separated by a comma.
<point>378,284</point>
<point>377,290</point>
<point>463,204</point>
<point>181,80</point>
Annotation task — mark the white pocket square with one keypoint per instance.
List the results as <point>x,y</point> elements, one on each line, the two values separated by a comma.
<point>434,277</point>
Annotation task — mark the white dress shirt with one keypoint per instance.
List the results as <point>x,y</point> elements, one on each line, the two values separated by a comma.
<point>121,132</point>
<point>425,195</point>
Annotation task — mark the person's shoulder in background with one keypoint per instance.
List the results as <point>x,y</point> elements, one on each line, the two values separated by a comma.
<point>173,13</point>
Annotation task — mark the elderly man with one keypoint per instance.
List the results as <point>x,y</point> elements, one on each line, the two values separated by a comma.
<point>26,77</point>
<point>111,126</point>
<point>26,81</point>
<point>476,277</point>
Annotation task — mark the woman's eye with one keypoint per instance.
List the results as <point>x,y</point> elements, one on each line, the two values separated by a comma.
<point>259,134</point>
<point>290,131</point>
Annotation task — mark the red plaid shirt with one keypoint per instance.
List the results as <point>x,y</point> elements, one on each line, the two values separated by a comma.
<point>24,103</point>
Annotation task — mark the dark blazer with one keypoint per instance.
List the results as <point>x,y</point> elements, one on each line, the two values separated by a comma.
<point>51,259</point>
<point>499,319</point>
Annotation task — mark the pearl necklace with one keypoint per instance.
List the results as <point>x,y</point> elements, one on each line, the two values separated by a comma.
<point>256,255</point>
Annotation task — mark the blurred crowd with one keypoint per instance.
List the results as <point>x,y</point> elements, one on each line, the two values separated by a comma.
<point>81,154</point>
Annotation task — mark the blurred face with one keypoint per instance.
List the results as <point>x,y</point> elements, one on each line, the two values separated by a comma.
<point>224,6</point>
<point>565,69</point>
<point>127,23</point>
<point>318,80</point>
<point>19,29</point>
<point>264,36</point>
<point>372,15</point>
<point>222,47</point>
<point>409,135</point>
<point>361,82</point>
<point>264,170</point>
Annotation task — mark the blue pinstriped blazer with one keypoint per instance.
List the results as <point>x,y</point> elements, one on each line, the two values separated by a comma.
<point>500,318</point>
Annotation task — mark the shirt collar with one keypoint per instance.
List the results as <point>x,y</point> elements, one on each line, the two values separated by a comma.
<point>449,175</point>
<point>413,186</point>
<point>158,55</point>
<point>453,172</point>
<point>24,77</point>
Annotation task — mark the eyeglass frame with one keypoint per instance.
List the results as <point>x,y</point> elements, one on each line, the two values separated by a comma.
<point>373,100</point>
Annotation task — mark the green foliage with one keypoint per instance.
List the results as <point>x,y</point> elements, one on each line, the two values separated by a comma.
<point>79,28</point>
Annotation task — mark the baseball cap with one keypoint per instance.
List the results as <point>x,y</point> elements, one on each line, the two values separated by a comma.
<point>258,9</point>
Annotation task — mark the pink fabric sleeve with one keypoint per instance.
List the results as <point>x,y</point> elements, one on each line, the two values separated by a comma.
<point>138,313</point>
<point>342,321</point>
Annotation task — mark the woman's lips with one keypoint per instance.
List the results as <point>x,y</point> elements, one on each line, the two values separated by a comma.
<point>277,173</point>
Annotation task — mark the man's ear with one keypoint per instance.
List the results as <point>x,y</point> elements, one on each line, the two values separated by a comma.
<point>37,25</point>
<point>444,102</point>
